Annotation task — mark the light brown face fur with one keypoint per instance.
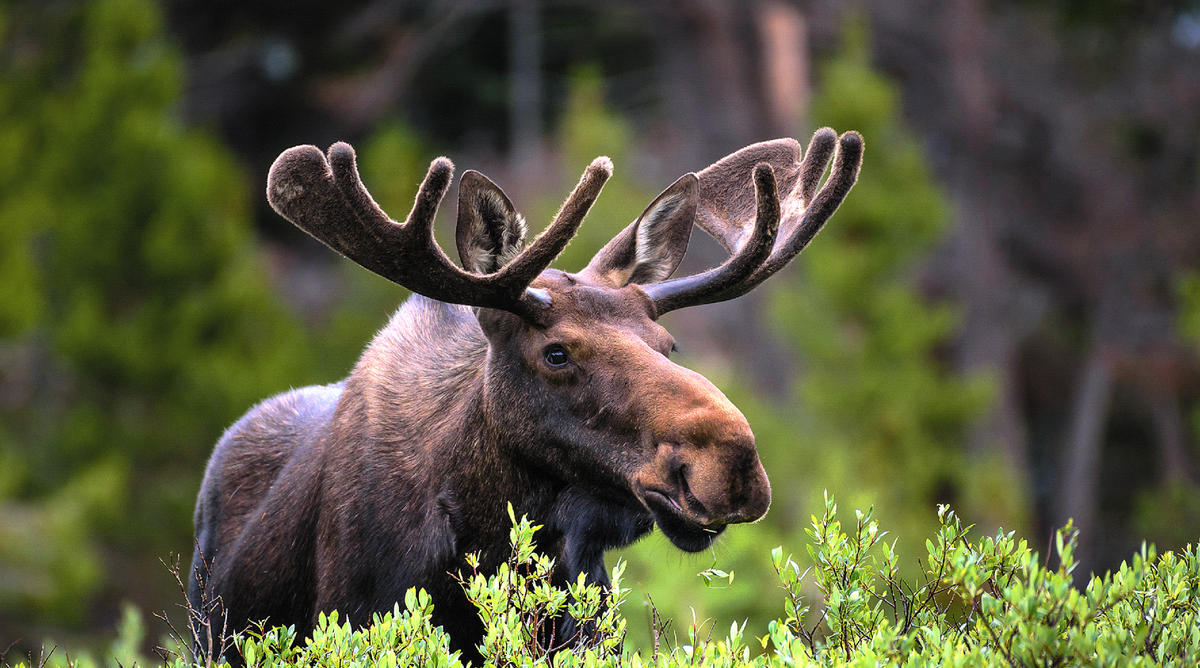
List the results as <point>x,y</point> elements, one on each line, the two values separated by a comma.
<point>664,433</point>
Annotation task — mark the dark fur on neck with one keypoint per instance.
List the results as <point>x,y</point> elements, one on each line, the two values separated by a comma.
<point>386,438</point>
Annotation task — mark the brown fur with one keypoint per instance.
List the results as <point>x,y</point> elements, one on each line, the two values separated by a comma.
<point>555,393</point>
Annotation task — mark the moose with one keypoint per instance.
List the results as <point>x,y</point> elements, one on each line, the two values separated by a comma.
<point>499,382</point>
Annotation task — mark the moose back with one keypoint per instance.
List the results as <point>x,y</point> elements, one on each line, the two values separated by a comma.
<point>498,382</point>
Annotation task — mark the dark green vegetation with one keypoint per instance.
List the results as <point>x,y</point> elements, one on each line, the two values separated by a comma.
<point>985,602</point>
<point>135,305</point>
<point>138,317</point>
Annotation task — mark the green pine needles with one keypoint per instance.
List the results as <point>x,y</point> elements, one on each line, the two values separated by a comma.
<point>990,601</point>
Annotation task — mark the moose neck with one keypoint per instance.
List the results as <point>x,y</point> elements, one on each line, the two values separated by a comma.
<point>578,526</point>
<point>427,372</point>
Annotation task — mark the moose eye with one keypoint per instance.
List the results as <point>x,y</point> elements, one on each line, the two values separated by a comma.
<point>556,356</point>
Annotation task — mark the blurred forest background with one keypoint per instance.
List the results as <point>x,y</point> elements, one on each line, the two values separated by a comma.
<point>1004,316</point>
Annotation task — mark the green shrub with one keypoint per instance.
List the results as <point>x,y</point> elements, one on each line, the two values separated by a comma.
<point>986,602</point>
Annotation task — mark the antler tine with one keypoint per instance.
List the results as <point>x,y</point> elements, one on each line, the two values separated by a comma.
<point>712,285</point>
<point>803,217</point>
<point>327,199</point>
<point>538,255</point>
<point>820,148</point>
<point>846,164</point>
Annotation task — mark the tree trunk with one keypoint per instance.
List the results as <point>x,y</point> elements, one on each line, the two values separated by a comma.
<point>525,82</point>
<point>1174,461</point>
<point>784,36</point>
<point>1081,471</point>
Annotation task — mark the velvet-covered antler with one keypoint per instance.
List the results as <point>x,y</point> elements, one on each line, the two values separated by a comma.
<point>745,221</point>
<point>326,198</point>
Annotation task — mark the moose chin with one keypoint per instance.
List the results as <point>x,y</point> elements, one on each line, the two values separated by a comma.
<point>499,382</point>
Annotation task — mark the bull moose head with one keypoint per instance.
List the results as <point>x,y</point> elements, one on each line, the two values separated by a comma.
<point>501,381</point>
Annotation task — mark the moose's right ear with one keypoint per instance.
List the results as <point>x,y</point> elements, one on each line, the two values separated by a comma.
<point>650,249</point>
<point>490,232</point>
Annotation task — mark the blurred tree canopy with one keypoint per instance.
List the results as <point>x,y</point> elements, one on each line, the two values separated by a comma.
<point>874,417</point>
<point>138,318</point>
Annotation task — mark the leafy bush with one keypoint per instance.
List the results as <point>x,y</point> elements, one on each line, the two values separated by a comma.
<point>985,602</point>
<point>518,606</point>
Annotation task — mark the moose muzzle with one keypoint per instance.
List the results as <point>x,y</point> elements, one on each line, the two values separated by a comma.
<point>704,472</point>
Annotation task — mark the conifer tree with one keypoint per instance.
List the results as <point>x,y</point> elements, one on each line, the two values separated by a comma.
<point>887,418</point>
<point>875,418</point>
<point>137,320</point>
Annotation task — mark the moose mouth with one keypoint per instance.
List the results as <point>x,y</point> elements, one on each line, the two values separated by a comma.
<point>684,532</point>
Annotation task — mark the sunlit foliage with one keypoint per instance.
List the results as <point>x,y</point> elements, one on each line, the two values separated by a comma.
<point>986,602</point>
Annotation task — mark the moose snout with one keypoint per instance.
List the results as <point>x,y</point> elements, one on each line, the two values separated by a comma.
<point>711,485</point>
<point>730,482</point>
<point>702,471</point>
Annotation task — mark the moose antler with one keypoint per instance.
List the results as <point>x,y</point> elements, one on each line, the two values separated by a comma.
<point>327,199</point>
<point>726,207</point>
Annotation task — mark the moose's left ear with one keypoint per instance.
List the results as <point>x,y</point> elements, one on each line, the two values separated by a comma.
<point>649,250</point>
<point>490,231</point>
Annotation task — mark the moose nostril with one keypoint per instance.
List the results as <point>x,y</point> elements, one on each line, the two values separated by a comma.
<point>691,502</point>
<point>681,478</point>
